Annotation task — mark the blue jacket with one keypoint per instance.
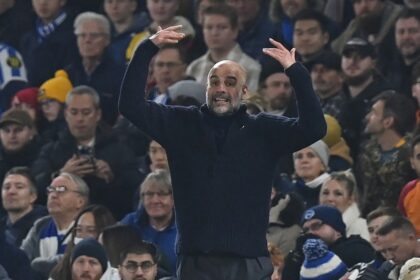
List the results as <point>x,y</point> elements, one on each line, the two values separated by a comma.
<point>221,190</point>
<point>164,239</point>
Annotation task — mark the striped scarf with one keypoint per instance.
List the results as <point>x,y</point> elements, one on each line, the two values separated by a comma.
<point>44,30</point>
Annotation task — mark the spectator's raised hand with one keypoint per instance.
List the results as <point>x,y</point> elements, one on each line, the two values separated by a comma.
<point>281,54</point>
<point>169,35</point>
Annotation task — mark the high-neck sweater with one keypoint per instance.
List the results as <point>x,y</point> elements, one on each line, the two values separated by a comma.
<point>221,195</point>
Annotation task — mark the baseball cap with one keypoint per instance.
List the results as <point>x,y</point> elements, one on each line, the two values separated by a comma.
<point>329,59</point>
<point>16,116</point>
<point>360,46</point>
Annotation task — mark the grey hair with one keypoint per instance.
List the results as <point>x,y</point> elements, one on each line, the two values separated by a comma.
<point>160,177</point>
<point>91,16</point>
<point>81,185</point>
<point>81,90</point>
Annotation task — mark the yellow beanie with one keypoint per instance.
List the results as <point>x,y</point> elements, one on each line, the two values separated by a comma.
<point>56,88</point>
<point>333,135</point>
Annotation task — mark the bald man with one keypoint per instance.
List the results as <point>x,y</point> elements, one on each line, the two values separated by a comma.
<point>222,160</point>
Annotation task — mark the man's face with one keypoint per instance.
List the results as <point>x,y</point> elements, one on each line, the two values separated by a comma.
<point>292,7</point>
<point>119,11</point>
<point>168,68</point>
<point>375,119</point>
<point>149,271</point>
<point>367,7</point>
<point>356,69</point>
<point>68,201</point>
<point>323,231</point>
<point>162,11</point>
<point>407,37</point>
<point>373,227</point>
<point>92,39</point>
<point>82,117</point>
<point>218,33</point>
<point>16,194</point>
<point>14,137</point>
<point>47,11</point>
<point>278,91</point>
<point>415,159</point>
<point>308,37</point>
<point>157,200</point>
<point>247,10</point>
<point>397,246</point>
<point>326,81</point>
<point>157,155</point>
<point>86,268</point>
<point>225,87</point>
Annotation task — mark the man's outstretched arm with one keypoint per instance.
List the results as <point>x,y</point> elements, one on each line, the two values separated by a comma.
<point>131,101</point>
<point>310,126</point>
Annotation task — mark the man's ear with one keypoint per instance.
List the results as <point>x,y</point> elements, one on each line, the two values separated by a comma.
<point>244,90</point>
<point>388,122</point>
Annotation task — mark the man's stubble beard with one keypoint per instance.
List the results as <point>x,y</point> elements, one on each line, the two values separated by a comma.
<point>359,79</point>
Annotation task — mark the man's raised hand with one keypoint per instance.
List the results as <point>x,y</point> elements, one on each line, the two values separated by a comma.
<point>281,54</point>
<point>169,35</point>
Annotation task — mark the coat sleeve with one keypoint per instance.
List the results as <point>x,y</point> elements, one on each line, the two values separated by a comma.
<point>154,119</point>
<point>30,245</point>
<point>292,134</point>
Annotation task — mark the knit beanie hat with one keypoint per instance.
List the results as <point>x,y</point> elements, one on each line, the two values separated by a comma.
<point>90,247</point>
<point>410,270</point>
<point>188,88</point>
<point>56,88</point>
<point>320,263</point>
<point>333,135</point>
<point>328,215</point>
<point>28,96</point>
<point>321,149</point>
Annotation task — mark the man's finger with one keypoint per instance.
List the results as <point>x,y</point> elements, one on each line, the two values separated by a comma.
<point>174,27</point>
<point>277,44</point>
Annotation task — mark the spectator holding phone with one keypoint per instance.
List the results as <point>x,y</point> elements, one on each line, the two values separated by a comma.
<point>91,152</point>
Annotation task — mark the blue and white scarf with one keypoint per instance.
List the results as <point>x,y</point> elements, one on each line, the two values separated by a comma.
<point>44,30</point>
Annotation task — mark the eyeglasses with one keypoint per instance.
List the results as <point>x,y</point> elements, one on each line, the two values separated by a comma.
<point>59,190</point>
<point>133,266</point>
<point>313,227</point>
<point>170,64</point>
<point>159,194</point>
<point>93,35</point>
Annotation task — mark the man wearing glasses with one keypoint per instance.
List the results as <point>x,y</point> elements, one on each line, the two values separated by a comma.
<point>139,261</point>
<point>48,238</point>
<point>169,67</point>
<point>155,218</point>
<point>326,223</point>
